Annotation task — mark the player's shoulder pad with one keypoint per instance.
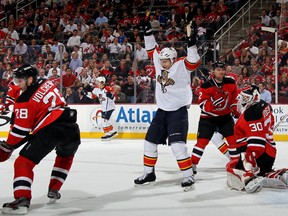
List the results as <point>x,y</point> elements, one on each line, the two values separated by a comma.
<point>229,80</point>
<point>206,84</point>
<point>255,111</point>
<point>26,95</point>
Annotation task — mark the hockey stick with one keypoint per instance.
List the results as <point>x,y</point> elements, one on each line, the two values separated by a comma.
<point>149,10</point>
<point>211,81</point>
<point>239,44</point>
<point>282,120</point>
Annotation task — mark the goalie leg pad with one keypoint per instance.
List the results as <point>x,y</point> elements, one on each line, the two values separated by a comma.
<point>234,182</point>
<point>254,185</point>
<point>242,180</point>
<point>273,183</point>
<point>234,176</point>
<point>278,175</point>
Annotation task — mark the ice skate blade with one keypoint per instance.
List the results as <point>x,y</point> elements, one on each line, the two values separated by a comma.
<point>189,188</point>
<point>19,211</point>
<point>114,135</point>
<point>145,184</point>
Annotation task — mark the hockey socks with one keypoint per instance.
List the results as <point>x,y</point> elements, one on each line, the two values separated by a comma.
<point>60,171</point>
<point>198,150</point>
<point>23,177</point>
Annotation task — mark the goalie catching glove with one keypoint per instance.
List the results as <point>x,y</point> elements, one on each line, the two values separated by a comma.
<point>5,151</point>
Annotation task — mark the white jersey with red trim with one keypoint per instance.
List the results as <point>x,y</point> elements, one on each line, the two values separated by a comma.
<point>38,106</point>
<point>173,86</point>
<point>106,102</point>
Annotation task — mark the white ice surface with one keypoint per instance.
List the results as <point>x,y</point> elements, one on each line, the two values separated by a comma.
<point>101,183</point>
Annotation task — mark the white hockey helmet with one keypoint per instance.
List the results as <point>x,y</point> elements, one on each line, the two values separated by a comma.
<point>168,53</point>
<point>101,79</point>
<point>248,96</point>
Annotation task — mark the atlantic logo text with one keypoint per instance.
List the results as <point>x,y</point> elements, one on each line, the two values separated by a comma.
<point>135,115</point>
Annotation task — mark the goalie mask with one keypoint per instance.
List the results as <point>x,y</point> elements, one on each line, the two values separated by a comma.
<point>168,53</point>
<point>247,97</point>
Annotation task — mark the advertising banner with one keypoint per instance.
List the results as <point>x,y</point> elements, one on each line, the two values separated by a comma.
<point>133,120</point>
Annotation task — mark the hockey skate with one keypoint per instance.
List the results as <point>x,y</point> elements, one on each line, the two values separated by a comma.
<point>105,137</point>
<point>17,207</point>
<point>145,178</point>
<point>113,134</point>
<point>54,195</point>
<point>188,183</point>
<point>194,169</point>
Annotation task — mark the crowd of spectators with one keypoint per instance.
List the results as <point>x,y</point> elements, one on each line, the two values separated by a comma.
<point>80,40</point>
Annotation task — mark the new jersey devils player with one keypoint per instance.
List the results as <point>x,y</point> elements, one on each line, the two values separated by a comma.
<point>217,100</point>
<point>42,122</point>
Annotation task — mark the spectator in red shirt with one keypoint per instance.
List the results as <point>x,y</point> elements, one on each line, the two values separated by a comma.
<point>69,79</point>
<point>222,10</point>
<point>107,70</point>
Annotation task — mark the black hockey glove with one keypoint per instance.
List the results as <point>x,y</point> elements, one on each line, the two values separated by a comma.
<point>146,27</point>
<point>192,32</point>
<point>5,151</point>
<point>110,95</point>
<point>4,110</point>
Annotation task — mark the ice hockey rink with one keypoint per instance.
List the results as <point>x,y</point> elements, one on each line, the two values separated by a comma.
<point>101,183</point>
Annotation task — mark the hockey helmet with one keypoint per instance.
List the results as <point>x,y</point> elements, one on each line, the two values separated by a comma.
<point>101,79</point>
<point>248,96</point>
<point>26,71</point>
<point>218,64</point>
<point>168,53</point>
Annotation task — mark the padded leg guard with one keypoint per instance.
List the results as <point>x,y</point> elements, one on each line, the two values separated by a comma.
<point>179,150</point>
<point>150,156</point>
<point>242,180</point>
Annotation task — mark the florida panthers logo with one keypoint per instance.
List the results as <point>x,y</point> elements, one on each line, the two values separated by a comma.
<point>164,80</point>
